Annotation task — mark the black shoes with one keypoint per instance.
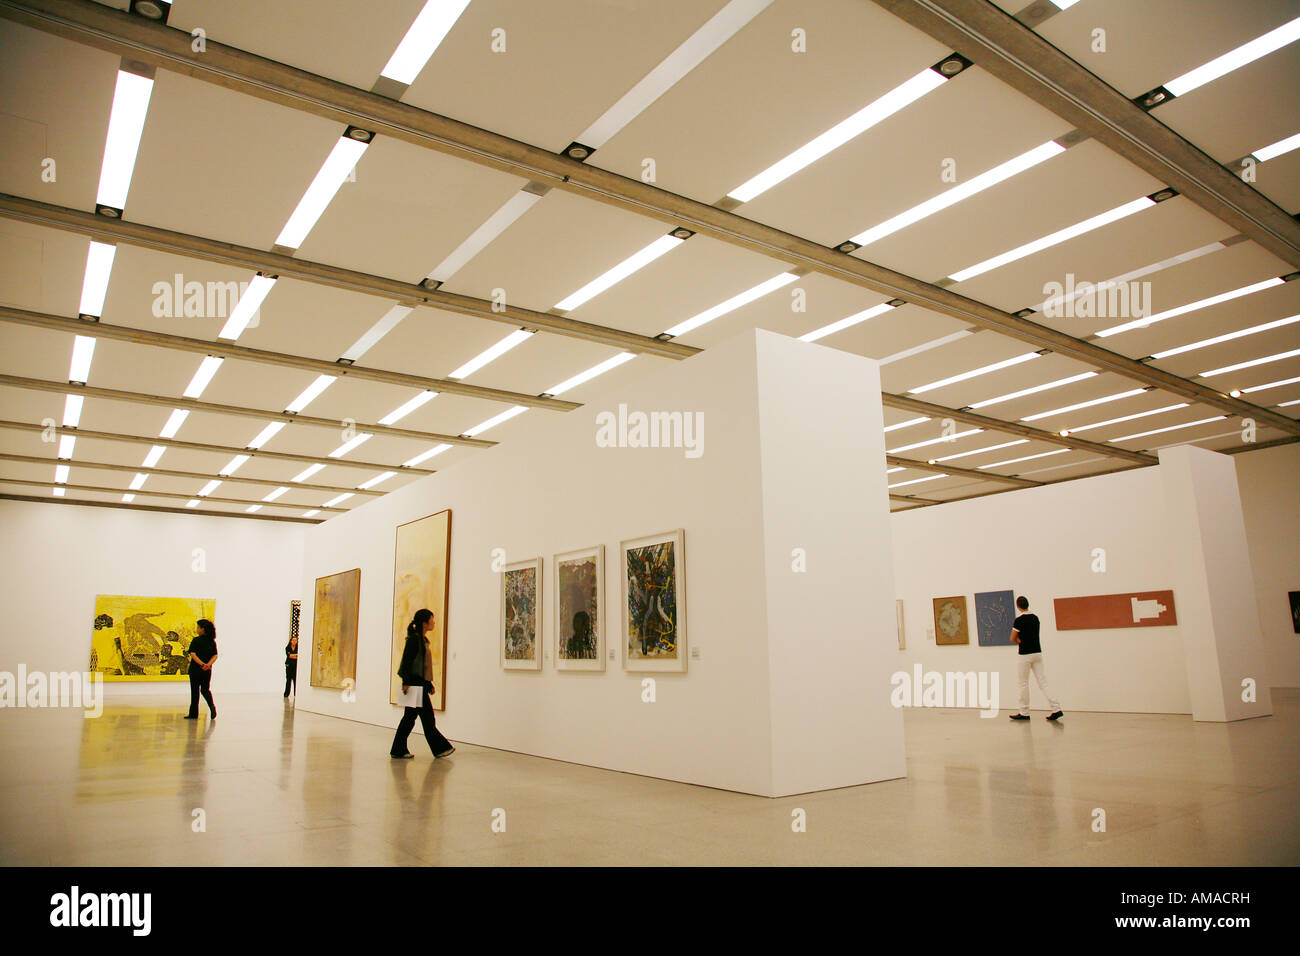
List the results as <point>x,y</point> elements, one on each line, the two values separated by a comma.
<point>402,756</point>
<point>1019,716</point>
<point>1056,716</point>
<point>446,753</point>
<point>191,716</point>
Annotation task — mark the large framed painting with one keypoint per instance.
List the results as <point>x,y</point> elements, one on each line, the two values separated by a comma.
<point>421,571</point>
<point>654,602</point>
<point>995,612</point>
<point>334,629</point>
<point>950,622</point>
<point>520,634</point>
<point>146,638</point>
<point>580,610</point>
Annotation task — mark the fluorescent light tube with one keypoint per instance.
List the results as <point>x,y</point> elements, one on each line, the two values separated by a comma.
<point>61,474</point>
<point>861,121</point>
<point>915,481</point>
<point>234,465</point>
<point>125,127</point>
<point>845,323</point>
<point>72,410</point>
<point>933,441</point>
<point>138,481</point>
<point>252,508</point>
<point>735,302</point>
<point>495,420</point>
<point>1260,388</point>
<point>910,421</point>
<point>350,444</point>
<point>890,471</point>
<point>1161,431</point>
<point>979,451</point>
<point>1228,337</point>
<point>151,459</point>
<point>128,498</point>
<point>59,492</point>
<point>276,494</point>
<point>376,332</point>
<point>1088,404</point>
<point>996,366</point>
<point>1083,288</point>
<point>1277,149</point>
<point>496,351</point>
<point>310,392</point>
<point>1235,59</point>
<point>203,376</point>
<point>66,444</point>
<point>1034,390</point>
<point>1289,404</point>
<point>924,347</point>
<point>94,286</point>
<point>1068,464</point>
<point>1252,363</point>
<point>589,374</point>
<point>425,456</point>
<point>337,499</point>
<point>1191,307</point>
<point>1016,461</point>
<point>367,485</point>
<point>193,503</point>
<point>428,30</point>
<point>174,423</point>
<point>83,350</point>
<point>397,414</point>
<point>1064,4</point>
<point>633,263</point>
<point>311,514</point>
<point>1125,418</point>
<point>341,160</point>
<point>266,434</point>
<point>246,307</point>
<point>210,487</point>
<point>480,238</point>
<point>1061,235</point>
<point>306,473</point>
<point>978,184</point>
<point>703,42</point>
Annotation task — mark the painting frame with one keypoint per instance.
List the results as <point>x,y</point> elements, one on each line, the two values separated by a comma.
<point>533,663</point>
<point>579,665</point>
<point>141,640</point>
<point>316,678</point>
<point>995,614</point>
<point>961,635</point>
<point>440,539</point>
<point>637,663</point>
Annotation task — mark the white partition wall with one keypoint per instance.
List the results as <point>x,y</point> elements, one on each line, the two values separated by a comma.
<point>789,691</point>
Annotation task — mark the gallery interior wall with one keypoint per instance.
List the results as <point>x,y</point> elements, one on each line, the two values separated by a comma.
<point>1040,542</point>
<point>57,558</point>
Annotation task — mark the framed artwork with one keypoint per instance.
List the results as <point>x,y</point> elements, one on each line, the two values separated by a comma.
<point>1101,611</point>
<point>334,629</point>
<point>995,612</point>
<point>1295,609</point>
<point>950,626</point>
<point>520,636</point>
<point>654,602</point>
<point>580,610</point>
<point>421,570</point>
<point>146,638</point>
<point>902,634</point>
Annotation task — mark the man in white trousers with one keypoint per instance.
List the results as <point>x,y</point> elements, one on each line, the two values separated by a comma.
<point>1024,631</point>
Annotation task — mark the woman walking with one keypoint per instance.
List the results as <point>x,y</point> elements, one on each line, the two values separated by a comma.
<point>416,670</point>
<point>203,654</point>
<point>291,666</point>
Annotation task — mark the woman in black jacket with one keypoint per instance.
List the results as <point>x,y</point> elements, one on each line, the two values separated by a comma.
<point>291,666</point>
<point>416,670</point>
<point>202,654</point>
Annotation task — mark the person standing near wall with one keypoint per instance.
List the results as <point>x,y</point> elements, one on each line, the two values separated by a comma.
<point>416,670</point>
<point>203,654</point>
<point>1025,632</point>
<point>291,666</point>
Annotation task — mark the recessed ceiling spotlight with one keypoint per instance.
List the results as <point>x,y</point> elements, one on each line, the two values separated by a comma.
<point>847,246</point>
<point>1235,393</point>
<point>895,303</point>
<point>951,65</point>
<point>1153,98</point>
<point>1160,195</point>
<point>430,284</point>
<point>359,134</point>
<point>578,151</point>
<point>1291,277</point>
<point>1023,313</point>
<point>664,336</point>
<point>682,233</point>
<point>1065,432</point>
<point>112,212</point>
<point>152,9</point>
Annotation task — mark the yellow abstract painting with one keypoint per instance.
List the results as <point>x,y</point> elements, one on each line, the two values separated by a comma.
<point>146,638</point>
<point>420,572</point>
<point>334,630</point>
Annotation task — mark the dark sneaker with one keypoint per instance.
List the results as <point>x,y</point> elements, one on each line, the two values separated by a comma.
<point>402,756</point>
<point>191,716</point>
<point>1056,716</point>
<point>446,753</point>
<point>1019,716</point>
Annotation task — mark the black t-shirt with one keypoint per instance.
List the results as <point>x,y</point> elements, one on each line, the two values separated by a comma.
<point>1026,626</point>
<point>205,648</point>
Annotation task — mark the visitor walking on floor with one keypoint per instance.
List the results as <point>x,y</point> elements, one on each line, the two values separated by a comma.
<point>291,666</point>
<point>203,654</point>
<point>1024,631</point>
<point>416,671</point>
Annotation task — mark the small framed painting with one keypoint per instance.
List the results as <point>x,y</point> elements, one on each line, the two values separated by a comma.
<point>654,602</point>
<point>950,621</point>
<point>520,636</point>
<point>580,610</point>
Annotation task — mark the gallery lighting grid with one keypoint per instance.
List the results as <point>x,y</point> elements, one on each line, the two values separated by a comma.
<point>915,481</point>
<point>1122,418</point>
<point>1055,238</point>
<point>933,441</point>
<point>489,354</point>
<point>1192,307</point>
<point>1227,337</point>
<point>247,306</point>
<point>735,302</point>
<point>343,158</point>
<point>397,414</point>
<point>1251,363</point>
<point>1016,461</point>
<point>1033,390</point>
<point>1084,288</point>
<point>974,373</point>
<point>426,455</point>
<point>422,38</point>
<point>845,323</point>
<point>1088,404</point>
<point>1170,428</point>
<point>978,451</point>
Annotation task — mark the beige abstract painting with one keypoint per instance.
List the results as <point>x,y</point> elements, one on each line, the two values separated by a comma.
<point>420,573</point>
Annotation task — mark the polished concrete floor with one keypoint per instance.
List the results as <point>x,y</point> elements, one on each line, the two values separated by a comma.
<point>276,787</point>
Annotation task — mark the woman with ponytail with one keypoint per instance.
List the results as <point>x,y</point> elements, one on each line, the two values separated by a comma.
<point>416,670</point>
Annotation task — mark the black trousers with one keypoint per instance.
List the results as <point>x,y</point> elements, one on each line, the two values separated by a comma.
<point>199,684</point>
<point>437,742</point>
<point>290,677</point>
